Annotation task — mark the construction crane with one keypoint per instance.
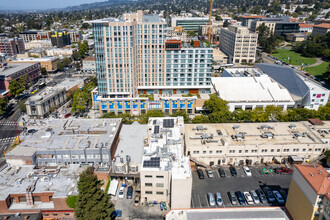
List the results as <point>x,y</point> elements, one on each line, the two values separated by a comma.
<point>210,20</point>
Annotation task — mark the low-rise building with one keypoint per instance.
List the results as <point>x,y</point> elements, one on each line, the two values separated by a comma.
<point>26,189</point>
<point>165,173</point>
<point>177,32</point>
<point>38,44</point>
<point>219,57</point>
<point>248,88</point>
<point>13,71</point>
<point>60,38</point>
<point>306,28</point>
<point>75,35</point>
<point>63,52</point>
<point>189,23</point>
<point>69,141</point>
<point>252,143</point>
<point>309,192</point>
<point>49,63</point>
<point>248,19</point>
<point>89,65</point>
<point>12,46</point>
<point>296,37</point>
<point>271,26</point>
<point>42,104</point>
<point>321,29</point>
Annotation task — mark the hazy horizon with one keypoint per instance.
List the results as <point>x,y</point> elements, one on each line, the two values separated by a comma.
<point>42,4</point>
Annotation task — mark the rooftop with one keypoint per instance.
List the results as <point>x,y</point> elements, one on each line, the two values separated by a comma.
<point>43,59</point>
<point>239,213</point>
<point>323,25</point>
<point>247,134</point>
<point>250,89</point>
<point>164,151</point>
<point>12,68</point>
<point>69,134</point>
<point>131,143</point>
<point>62,181</point>
<point>253,16</point>
<point>89,59</point>
<point>303,25</point>
<point>317,177</point>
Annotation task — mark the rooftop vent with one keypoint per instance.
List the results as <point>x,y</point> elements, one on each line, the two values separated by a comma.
<point>236,127</point>
<point>292,126</point>
<point>267,135</point>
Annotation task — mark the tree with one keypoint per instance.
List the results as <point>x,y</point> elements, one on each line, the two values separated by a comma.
<point>82,49</point>
<point>3,105</point>
<point>76,55</point>
<point>24,80</point>
<point>199,119</point>
<point>191,33</point>
<point>66,61</point>
<point>226,23</point>
<point>60,65</point>
<point>15,87</point>
<point>86,26</point>
<point>216,104</point>
<point>92,202</point>
<point>150,114</point>
<point>259,115</point>
<point>183,113</point>
<point>43,70</point>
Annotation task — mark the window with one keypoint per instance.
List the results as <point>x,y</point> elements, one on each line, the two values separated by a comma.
<point>246,151</point>
<point>148,184</point>
<point>204,152</point>
<point>231,151</point>
<point>160,177</point>
<point>149,192</point>
<point>219,151</point>
<point>240,151</point>
<point>253,151</point>
<point>272,150</point>
<point>159,184</point>
<point>304,149</point>
<point>210,152</point>
<point>148,176</point>
<point>196,152</point>
<point>278,150</point>
<point>160,193</point>
<point>310,149</point>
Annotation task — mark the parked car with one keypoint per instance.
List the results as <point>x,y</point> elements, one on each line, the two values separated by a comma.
<point>129,192</point>
<point>67,115</point>
<point>240,198</point>
<point>266,170</point>
<point>211,199</point>
<point>283,170</point>
<point>248,198</point>
<point>200,174</point>
<point>232,198</point>
<point>218,199</point>
<point>262,195</point>
<point>209,173</point>
<point>233,171</point>
<point>284,194</point>
<point>222,172</point>
<point>121,192</point>
<point>278,197</point>
<point>137,199</point>
<point>269,193</point>
<point>32,131</point>
<point>255,197</point>
<point>247,171</point>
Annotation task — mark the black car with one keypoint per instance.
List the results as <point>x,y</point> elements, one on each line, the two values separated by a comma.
<point>233,171</point>
<point>222,172</point>
<point>32,131</point>
<point>129,192</point>
<point>240,197</point>
<point>200,174</point>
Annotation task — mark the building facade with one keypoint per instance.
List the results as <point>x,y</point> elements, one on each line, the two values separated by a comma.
<point>60,38</point>
<point>189,23</point>
<point>49,63</point>
<point>309,193</point>
<point>239,44</point>
<point>177,32</point>
<point>247,20</point>
<point>12,46</point>
<point>321,29</point>
<point>89,65</point>
<point>38,44</point>
<point>75,35</point>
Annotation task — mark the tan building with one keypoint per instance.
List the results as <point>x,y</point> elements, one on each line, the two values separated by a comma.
<point>219,57</point>
<point>252,143</point>
<point>296,37</point>
<point>38,44</point>
<point>49,63</point>
<point>239,44</point>
<point>178,32</point>
<point>309,193</point>
<point>65,52</point>
<point>270,25</point>
<point>321,29</point>
<point>165,174</point>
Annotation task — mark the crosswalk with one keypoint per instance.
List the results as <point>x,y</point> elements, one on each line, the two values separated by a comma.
<point>6,122</point>
<point>7,140</point>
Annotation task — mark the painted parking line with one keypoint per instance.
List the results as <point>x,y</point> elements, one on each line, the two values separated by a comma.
<point>217,173</point>
<point>199,199</point>
<point>207,201</point>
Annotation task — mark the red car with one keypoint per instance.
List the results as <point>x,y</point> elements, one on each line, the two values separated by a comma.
<point>67,115</point>
<point>283,170</point>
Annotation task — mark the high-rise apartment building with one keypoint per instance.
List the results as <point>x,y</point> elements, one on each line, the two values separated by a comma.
<point>239,44</point>
<point>60,38</point>
<point>12,46</point>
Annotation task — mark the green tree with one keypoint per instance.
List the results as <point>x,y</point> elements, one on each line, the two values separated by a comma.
<point>66,61</point>
<point>15,87</point>
<point>60,65</point>
<point>76,55</point>
<point>226,23</point>
<point>71,201</point>
<point>216,104</point>
<point>183,113</point>
<point>259,115</point>
<point>191,33</point>
<point>150,114</point>
<point>43,70</point>
<point>3,105</point>
<point>24,80</point>
<point>199,119</point>
<point>86,26</point>
<point>92,202</point>
<point>273,112</point>
<point>82,49</point>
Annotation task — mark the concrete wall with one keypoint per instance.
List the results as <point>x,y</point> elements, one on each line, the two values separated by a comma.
<point>181,193</point>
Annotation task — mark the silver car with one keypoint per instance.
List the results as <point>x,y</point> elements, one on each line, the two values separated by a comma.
<point>248,198</point>
<point>232,198</point>
<point>211,199</point>
<point>218,199</point>
<point>255,197</point>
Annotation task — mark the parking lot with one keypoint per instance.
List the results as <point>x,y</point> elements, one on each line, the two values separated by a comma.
<point>240,183</point>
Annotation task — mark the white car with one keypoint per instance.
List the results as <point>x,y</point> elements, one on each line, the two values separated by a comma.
<point>247,171</point>
<point>218,199</point>
<point>210,173</point>
<point>211,199</point>
<point>255,197</point>
<point>121,192</point>
<point>278,197</point>
<point>248,198</point>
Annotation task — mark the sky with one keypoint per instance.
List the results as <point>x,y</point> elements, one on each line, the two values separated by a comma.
<point>41,4</point>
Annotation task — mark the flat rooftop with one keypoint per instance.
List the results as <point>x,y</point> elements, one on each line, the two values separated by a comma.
<point>62,181</point>
<point>69,134</point>
<point>43,59</point>
<point>164,151</point>
<point>12,68</point>
<point>247,134</point>
<point>269,213</point>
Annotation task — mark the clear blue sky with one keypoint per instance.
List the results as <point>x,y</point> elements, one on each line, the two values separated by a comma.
<point>41,4</point>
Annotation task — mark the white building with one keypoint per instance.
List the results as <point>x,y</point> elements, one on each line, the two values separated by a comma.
<point>38,44</point>
<point>249,89</point>
<point>189,23</point>
<point>165,173</point>
<point>239,43</point>
<point>305,92</point>
<point>306,28</point>
<point>64,52</point>
<point>89,65</point>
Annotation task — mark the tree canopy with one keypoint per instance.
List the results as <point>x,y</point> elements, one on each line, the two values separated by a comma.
<point>3,105</point>
<point>16,87</point>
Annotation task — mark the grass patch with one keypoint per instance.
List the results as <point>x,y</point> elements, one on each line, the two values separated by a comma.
<point>71,201</point>
<point>108,186</point>
<point>295,58</point>
<point>318,70</point>
<point>150,97</point>
<point>191,95</point>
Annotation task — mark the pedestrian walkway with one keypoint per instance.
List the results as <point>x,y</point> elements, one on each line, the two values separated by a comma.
<point>7,140</point>
<point>6,122</point>
<point>318,62</point>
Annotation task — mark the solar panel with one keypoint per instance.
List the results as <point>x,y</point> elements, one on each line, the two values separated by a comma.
<point>168,123</point>
<point>156,129</point>
<point>153,162</point>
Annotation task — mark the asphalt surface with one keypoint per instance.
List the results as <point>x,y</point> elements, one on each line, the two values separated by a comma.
<point>241,183</point>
